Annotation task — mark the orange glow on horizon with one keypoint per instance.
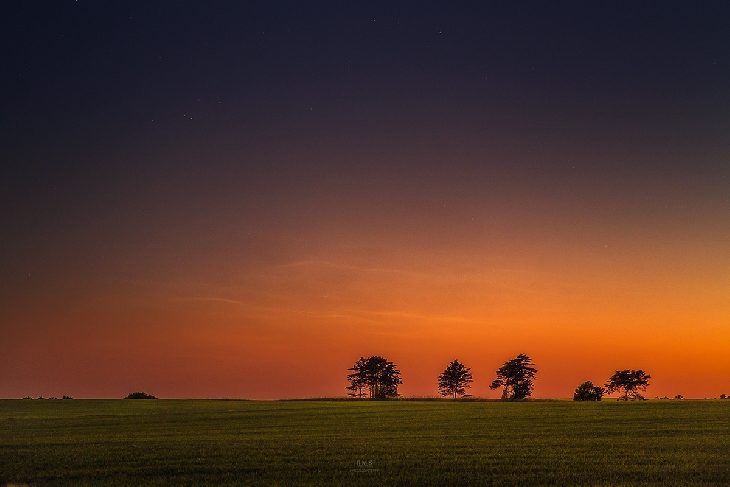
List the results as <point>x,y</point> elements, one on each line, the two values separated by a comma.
<point>292,329</point>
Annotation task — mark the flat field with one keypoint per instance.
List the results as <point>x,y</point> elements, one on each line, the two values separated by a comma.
<point>194,442</point>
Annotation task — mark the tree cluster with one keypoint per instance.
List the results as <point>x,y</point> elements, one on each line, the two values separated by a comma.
<point>630,383</point>
<point>378,378</point>
<point>374,377</point>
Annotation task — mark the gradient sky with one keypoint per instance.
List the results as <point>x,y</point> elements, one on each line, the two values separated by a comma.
<point>239,199</point>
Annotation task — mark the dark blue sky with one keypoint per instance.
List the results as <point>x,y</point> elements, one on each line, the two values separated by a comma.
<point>104,99</point>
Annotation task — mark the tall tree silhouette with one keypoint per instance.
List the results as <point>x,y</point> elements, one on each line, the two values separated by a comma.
<point>454,380</point>
<point>516,376</point>
<point>376,375</point>
<point>630,382</point>
<point>358,378</point>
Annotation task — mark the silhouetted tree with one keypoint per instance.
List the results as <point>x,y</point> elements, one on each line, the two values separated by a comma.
<point>358,378</point>
<point>588,392</point>
<point>378,376</point>
<point>630,382</point>
<point>723,396</point>
<point>516,377</point>
<point>454,380</point>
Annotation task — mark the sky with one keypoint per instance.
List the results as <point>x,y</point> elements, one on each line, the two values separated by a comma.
<point>240,199</point>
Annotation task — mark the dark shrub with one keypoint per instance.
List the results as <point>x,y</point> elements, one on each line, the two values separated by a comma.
<point>140,395</point>
<point>588,392</point>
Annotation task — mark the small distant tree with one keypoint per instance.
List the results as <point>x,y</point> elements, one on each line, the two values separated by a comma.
<point>723,396</point>
<point>455,380</point>
<point>679,397</point>
<point>588,392</point>
<point>516,376</point>
<point>140,395</point>
<point>376,375</point>
<point>631,382</point>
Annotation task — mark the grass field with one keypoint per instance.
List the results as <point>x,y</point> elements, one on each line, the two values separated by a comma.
<point>341,442</point>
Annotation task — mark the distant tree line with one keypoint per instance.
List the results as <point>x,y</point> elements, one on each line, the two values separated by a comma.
<point>52,398</point>
<point>132,395</point>
<point>376,377</point>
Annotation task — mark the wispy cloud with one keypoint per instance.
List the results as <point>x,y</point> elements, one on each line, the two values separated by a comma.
<point>213,299</point>
<point>349,267</point>
<point>425,317</point>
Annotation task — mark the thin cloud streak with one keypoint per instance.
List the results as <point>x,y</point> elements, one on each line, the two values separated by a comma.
<point>368,315</point>
<point>324,263</point>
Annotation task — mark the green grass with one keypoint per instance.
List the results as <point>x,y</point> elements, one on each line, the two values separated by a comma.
<point>396,442</point>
